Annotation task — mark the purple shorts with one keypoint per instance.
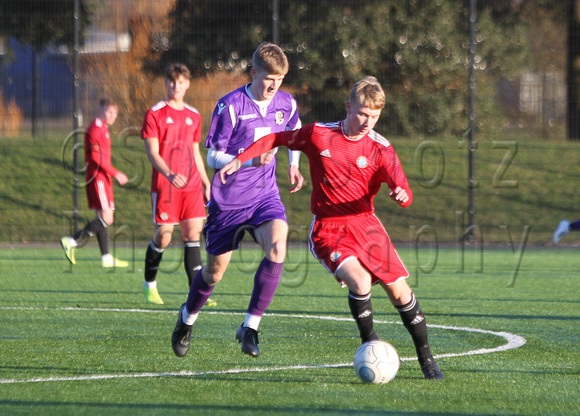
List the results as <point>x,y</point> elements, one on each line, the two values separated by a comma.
<point>224,230</point>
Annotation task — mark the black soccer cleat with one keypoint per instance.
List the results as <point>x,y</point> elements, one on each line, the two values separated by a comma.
<point>431,369</point>
<point>248,337</point>
<point>181,336</point>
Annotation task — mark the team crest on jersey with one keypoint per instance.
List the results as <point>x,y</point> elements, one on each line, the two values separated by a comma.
<point>279,118</point>
<point>188,121</point>
<point>362,162</point>
<point>335,255</point>
<point>221,107</point>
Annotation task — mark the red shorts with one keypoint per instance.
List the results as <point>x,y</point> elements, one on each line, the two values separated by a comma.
<point>175,207</point>
<point>336,240</point>
<point>100,195</point>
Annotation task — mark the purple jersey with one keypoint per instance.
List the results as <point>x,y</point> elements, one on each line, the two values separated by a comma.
<point>237,122</point>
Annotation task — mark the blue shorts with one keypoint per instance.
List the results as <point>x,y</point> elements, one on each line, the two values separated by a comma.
<point>224,230</point>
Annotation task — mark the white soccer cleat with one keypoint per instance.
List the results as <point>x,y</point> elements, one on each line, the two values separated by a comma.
<point>562,231</point>
<point>109,262</point>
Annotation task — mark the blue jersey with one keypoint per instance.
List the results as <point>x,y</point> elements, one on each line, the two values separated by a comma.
<point>237,122</point>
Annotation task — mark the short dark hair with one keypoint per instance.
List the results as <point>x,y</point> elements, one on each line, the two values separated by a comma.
<point>173,71</point>
<point>107,102</point>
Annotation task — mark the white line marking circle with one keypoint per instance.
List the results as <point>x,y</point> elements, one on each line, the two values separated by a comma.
<point>513,341</point>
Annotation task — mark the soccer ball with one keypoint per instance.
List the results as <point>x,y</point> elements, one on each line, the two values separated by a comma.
<point>376,362</point>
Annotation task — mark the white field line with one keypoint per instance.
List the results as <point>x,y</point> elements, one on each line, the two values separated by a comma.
<point>513,341</point>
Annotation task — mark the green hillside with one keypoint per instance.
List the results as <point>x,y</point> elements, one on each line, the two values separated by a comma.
<point>519,183</point>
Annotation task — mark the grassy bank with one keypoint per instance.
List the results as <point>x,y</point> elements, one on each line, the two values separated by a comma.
<point>519,184</point>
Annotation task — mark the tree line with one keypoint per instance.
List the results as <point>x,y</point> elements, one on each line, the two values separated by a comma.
<point>418,49</point>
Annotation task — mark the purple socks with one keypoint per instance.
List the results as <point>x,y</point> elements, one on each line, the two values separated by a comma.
<point>266,282</point>
<point>199,292</point>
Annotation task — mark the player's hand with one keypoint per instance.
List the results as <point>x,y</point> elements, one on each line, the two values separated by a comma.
<point>266,158</point>
<point>295,178</point>
<point>229,169</point>
<point>399,195</point>
<point>121,178</point>
<point>207,192</point>
<point>177,180</point>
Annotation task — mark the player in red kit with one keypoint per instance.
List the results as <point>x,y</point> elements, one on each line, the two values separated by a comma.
<point>99,186</point>
<point>179,184</point>
<point>348,163</point>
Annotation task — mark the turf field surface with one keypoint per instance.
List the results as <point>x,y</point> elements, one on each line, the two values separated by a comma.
<point>81,340</point>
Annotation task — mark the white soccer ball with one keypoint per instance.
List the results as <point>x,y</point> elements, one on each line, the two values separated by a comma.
<point>376,362</point>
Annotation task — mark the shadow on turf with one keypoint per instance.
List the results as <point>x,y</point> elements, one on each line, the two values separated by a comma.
<point>208,409</point>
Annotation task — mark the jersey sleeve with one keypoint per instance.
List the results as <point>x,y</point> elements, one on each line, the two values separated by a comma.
<point>197,132</point>
<point>96,139</point>
<point>392,173</point>
<point>222,126</point>
<point>294,121</point>
<point>293,140</point>
<point>150,128</point>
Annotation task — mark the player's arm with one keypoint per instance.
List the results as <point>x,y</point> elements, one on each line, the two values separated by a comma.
<point>104,163</point>
<point>217,159</point>
<point>152,149</point>
<point>296,177</point>
<point>260,147</point>
<point>396,179</point>
<point>202,173</point>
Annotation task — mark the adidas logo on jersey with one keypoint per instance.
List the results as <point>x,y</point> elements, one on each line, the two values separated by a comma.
<point>169,120</point>
<point>325,153</point>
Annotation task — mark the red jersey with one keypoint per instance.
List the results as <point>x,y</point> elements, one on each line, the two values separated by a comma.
<point>346,174</point>
<point>98,152</point>
<point>176,131</point>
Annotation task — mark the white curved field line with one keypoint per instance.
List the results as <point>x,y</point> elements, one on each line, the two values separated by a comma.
<point>513,341</point>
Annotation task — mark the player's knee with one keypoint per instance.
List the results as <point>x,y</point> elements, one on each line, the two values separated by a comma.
<point>212,274</point>
<point>108,219</point>
<point>164,240</point>
<point>399,293</point>
<point>276,252</point>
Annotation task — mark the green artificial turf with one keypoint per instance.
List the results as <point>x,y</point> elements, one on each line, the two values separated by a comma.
<point>80,340</point>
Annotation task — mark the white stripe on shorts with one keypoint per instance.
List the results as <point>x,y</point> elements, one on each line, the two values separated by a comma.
<point>102,193</point>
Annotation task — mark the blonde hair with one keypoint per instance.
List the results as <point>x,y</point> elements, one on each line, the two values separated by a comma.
<point>270,58</point>
<point>369,93</point>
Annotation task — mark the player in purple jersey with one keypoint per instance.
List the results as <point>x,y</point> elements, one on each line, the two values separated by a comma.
<point>250,201</point>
